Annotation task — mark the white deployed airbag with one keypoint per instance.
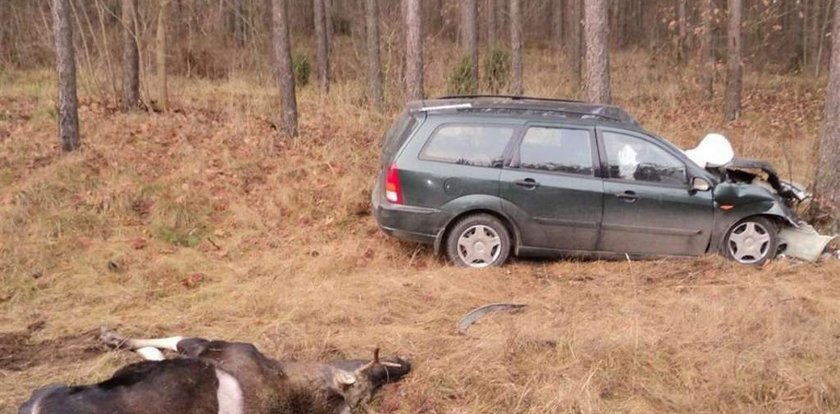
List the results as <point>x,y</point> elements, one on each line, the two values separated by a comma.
<point>713,150</point>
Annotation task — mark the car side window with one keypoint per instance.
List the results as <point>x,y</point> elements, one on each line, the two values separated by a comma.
<point>632,158</point>
<point>562,150</point>
<point>476,145</point>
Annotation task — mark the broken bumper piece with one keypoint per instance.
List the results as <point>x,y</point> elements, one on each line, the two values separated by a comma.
<point>803,242</point>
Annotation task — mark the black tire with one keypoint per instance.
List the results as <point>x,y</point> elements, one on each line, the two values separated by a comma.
<point>758,243</point>
<point>481,228</point>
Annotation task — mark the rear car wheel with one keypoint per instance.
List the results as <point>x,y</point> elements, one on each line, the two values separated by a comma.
<point>480,240</point>
<point>753,240</point>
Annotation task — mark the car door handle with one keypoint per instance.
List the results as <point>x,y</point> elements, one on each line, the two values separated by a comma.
<point>528,183</point>
<point>627,196</point>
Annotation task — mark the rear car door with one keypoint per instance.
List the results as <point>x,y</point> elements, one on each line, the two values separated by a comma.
<point>550,189</point>
<point>648,208</point>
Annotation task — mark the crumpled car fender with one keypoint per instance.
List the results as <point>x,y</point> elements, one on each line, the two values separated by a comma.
<point>737,201</point>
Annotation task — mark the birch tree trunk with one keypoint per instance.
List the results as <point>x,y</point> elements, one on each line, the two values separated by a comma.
<point>374,63</point>
<point>414,50</point>
<point>597,52</point>
<point>285,73</point>
<point>516,86</point>
<point>68,104</point>
<point>131,57</point>
<point>827,184</point>
<point>706,68</point>
<point>734,65</point>
<point>469,37</point>
<point>322,56</point>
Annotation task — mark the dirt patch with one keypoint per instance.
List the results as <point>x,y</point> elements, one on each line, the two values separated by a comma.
<point>19,352</point>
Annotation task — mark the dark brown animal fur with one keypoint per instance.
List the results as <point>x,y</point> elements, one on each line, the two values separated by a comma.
<point>188,384</point>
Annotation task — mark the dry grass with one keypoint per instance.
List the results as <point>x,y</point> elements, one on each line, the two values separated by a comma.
<point>177,223</point>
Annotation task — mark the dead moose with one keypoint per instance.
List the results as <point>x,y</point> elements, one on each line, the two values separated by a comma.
<point>219,377</point>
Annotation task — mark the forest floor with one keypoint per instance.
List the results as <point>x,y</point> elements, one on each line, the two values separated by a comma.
<point>178,223</point>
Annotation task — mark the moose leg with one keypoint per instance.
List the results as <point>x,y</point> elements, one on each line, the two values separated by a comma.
<point>149,349</point>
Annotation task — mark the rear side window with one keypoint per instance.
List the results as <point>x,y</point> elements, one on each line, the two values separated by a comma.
<point>556,150</point>
<point>397,134</point>
<point>476,145</point>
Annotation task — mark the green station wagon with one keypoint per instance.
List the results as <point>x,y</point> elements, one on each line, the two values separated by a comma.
<point>484,177</point>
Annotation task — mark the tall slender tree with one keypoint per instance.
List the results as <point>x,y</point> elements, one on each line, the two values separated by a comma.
<point>706,68</point>
<point>516,86</point>
<point>576,45</point>
<point>491,22</point>
<point>374,63</point>
<point>682,29</point>
<point>322,54</point>
<point>597,52</point>
<point>131,56</point>
<point>469,37</point>
<point>68,118</point>
<point>414,49</point>
<point>160,55</point>
<point>557,24</point>
<point>826,206</point>
<point>285,73</point>
<point>734,64</point>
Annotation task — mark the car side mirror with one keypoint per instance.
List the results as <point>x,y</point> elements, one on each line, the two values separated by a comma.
<point>699,184</point>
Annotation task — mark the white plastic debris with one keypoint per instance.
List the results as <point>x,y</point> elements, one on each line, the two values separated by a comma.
<point>803,242</point>
<point>713,150</point>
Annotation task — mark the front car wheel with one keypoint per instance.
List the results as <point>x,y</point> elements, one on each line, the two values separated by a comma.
<point>753,240</point>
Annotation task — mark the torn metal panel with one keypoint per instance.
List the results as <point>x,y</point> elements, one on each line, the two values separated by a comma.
<point>477,313</point>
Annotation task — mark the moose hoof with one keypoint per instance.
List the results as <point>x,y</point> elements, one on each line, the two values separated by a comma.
<point>111,338</point>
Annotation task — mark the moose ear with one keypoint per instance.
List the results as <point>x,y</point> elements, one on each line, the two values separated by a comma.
<point>344,379</point>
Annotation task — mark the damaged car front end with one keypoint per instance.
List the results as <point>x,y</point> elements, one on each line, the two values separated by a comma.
<point>751,199</point>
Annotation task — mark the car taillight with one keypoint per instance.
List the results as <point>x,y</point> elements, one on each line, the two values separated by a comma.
<point>393,192</point>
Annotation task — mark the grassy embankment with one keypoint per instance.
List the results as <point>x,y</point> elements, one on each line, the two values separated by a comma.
<point>177,223</point>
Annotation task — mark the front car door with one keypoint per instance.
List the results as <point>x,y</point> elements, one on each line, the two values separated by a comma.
<point>648,208</point>
<point>551,190</point>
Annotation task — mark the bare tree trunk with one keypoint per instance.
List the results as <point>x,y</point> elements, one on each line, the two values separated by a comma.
<point>575,41</point>
<point>239,32</point>
<point>597,52</point>
<point>822,37</point>
<point>329,16</point>
<point>469,38</point>
<point>827,182</point>
<point>131,56</point>
<point>414,49</point>
<point>374,63</point>
<point>734,65</point>
<point>706,68</point>
<point>516,85</point>
<point>491,23</point>
<point>163,91</point>
<point>68,118</point>
<point>285,73</point>
<point>682,24</point>
<point>557,24</point>
<point>322,57</point>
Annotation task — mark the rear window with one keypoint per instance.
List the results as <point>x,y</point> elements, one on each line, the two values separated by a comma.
<point>397,134</point>
<point>476,145</point>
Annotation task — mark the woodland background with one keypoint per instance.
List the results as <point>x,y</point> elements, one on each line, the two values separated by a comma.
<point>196,215</point>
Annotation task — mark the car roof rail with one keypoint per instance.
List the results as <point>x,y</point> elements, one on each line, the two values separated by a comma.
<point>443,107</point>
<point>511,97</point>
<point>560,111</point>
